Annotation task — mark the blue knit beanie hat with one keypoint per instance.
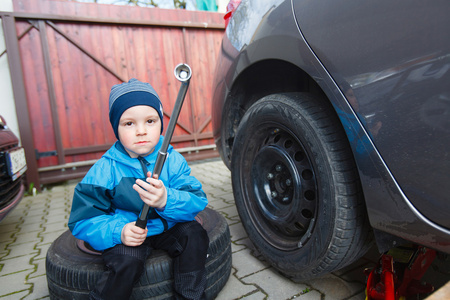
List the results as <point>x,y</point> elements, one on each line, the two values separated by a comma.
<point>129,94</point>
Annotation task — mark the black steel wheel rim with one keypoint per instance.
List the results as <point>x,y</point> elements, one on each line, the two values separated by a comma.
<point>281,187</point>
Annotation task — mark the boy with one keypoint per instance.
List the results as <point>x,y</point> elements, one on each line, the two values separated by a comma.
<point>107,202</point>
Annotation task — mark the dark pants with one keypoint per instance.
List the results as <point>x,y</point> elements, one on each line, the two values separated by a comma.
<point>187,243</point>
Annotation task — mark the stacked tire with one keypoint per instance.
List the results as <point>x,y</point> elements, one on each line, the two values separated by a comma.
<point>72,273</point>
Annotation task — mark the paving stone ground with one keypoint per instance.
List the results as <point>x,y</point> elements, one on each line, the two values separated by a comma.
<point>28,231</point>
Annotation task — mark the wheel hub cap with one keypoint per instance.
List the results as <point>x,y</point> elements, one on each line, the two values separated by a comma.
<point>284,185</point>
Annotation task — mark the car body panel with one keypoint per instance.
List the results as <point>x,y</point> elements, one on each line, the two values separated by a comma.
<point>400,84</point>
<point>287,33</point>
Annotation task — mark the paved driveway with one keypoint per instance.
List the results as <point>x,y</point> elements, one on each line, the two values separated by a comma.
<point>27,233</point>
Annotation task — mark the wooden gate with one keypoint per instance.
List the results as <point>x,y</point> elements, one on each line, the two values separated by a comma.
<point>65,56</point>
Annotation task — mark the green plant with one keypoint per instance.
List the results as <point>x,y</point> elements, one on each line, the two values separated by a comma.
<point>31,190</point>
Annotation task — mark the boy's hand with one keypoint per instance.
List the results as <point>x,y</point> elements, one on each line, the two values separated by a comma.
<point>152,191</point>
<point>132,235</point>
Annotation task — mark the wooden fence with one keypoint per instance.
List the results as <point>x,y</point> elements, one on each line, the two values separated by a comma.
<point>65,56</point>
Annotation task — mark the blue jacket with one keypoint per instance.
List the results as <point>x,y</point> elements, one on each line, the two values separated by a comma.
<point>104,201</point>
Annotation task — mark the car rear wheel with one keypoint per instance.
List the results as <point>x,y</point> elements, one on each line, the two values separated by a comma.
<point>296,186</point>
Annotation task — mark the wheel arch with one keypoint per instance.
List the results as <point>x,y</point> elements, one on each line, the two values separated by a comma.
<point>256,81</point>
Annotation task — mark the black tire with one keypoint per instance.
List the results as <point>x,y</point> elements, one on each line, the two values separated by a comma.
<point>72,273</point>
<point>296,186</point>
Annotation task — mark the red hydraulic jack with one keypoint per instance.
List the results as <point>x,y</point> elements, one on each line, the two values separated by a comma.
<point>396,278</point>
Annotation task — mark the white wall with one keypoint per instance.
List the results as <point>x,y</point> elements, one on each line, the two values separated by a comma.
<point>222,5</point>
<point>7,104</point>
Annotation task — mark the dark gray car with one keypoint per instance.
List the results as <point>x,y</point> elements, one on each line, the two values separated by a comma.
<point>334,118</point>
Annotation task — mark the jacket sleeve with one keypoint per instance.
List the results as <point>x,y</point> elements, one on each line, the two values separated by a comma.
<point>185,197</point>
<point>103,231</point>
<point>93,218</point>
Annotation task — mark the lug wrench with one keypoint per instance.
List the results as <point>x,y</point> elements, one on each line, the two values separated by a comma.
<point>182,73</point>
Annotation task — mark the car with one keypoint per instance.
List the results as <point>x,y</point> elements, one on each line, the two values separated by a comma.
<point>334,119</point>
<point>12,170</point>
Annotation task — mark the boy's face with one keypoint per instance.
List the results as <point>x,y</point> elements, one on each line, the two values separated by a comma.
<point>139,130</point>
